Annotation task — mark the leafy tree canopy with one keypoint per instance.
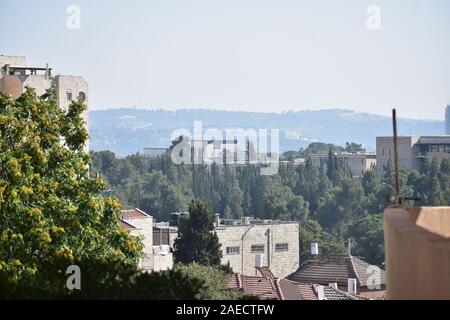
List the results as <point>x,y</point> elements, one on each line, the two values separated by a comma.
<point>197,241</point>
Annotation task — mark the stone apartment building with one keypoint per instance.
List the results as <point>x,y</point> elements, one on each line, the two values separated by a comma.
<point>247,244</point>
<point>357,163</point>
<point>15,75</point>
<point>411,151</point>
<point>157,255</point>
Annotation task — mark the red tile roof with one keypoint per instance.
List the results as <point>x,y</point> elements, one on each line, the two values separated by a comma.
<point>134,214</point>
<point>235,281</point>
<point>307,291</point>
<point>334,268</point>
<point>265,272</point>
<point>261,287</point>
<point>257,286</point>
<point>126,225</point>
<point>283,289</point>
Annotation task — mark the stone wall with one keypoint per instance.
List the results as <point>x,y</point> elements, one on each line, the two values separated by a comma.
<point>161,263</point>
<point>145,231</point>
<point>282,263</point>
<point>13,61</point>
<point>385,152</point>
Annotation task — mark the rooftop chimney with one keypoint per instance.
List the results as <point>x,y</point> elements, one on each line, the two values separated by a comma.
<point>217,219</point>
<point>352,286</point>
<point>349,248</point>
<point>314,248</point>
<point>47,71</point>
<point>333,285</point>
<point>320,293</point>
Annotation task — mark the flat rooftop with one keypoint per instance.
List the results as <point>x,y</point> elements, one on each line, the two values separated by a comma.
<point>251,222</point>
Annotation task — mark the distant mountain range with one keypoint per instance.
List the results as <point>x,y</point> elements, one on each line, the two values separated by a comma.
<point>127,131</point>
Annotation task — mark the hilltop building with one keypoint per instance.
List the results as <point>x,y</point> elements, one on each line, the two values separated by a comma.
<point>411,151</point>
<point>358,163</point>
<point>15,75</point>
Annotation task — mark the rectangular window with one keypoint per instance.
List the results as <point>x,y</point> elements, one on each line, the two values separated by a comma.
<point>257,248</point>
<point>69,95</point>
<point>233,250</point>
<point>282,247</point>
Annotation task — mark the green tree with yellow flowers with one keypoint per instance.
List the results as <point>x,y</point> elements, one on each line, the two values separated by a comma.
<point>52,214</point>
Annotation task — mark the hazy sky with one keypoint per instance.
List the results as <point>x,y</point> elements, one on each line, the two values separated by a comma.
<point>252,55</point>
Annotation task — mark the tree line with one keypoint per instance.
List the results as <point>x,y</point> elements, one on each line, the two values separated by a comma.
<point>330,205</point>
<point>54,216</point>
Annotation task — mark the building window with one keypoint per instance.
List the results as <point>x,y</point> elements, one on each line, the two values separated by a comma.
<point>257,248</point>
<point>233,250</point>
<point>282,247</point>
<point>82,96</point>
<point>69,95</point>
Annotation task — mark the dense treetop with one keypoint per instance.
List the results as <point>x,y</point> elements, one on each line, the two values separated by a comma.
<point>329,203</point>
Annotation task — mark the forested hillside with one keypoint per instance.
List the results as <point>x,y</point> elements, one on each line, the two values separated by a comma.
<point>330,205</point>
<point>127,131</point>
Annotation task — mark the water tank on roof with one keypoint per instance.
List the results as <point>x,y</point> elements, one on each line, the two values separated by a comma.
<point>320,293</point>
<point>352,286</point>
<point>333,285</point>
<point>314,248</point>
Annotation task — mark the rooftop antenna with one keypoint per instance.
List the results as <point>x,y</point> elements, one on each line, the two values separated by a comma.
<point>397,176</point>
<point>397,199</point>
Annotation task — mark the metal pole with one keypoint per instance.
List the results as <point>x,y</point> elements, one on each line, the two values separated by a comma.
<point>397,177</point>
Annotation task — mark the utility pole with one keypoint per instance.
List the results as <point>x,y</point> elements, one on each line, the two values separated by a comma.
<point>397,176</point>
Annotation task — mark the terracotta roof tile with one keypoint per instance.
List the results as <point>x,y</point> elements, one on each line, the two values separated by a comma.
<point>307,291</point>
<point>283,289</point>
<point>126,225</point>
<point>134,214</point>
<point>333,268</point>
<point>261,287</point>
<point>234,281</point>
<point>265,272</point>
<point>336,294</point>
<point>257,286</point>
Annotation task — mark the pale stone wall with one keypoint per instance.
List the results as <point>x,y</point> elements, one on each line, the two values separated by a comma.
<point>15,85</point>
<point>417,244</point>
<point>357,163</point>
<point>385,152</point>
<point>38,82</point>
<point>161,263</point>
<point>370,163</point>
<point>145,231</point>
<point>76,85</point>
<point>281,263</point>
<point>13,61</point>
